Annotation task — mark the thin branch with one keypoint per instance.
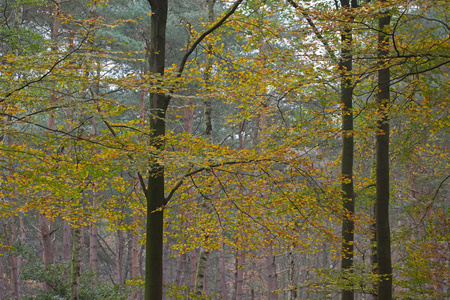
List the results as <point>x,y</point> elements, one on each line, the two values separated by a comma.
<point>205,34</point>
<point>315,30</point>
<point>209,167</point>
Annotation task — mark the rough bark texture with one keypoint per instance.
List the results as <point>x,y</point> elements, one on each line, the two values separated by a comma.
<point>348,204</point>
<point>199,285</point>
<point>382,166</point>
<point>154,192</point>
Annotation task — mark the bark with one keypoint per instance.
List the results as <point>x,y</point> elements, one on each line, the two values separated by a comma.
<point>93,249</point>
<point>207,75</point>
<point>22,238</point>
<point>272,278</point>
<point>47,247</point>
<point>93,230</point>
<point>373,248</point>
<point>221,269</point>
<point>193,267</point>
<point>199,285</point>
<point>2,278</point>
<point>120,244</point>
<point>166,269</point>
<point>13,265</point>
<point>76,267</point>
<point>292,294</point>
<point>154,192</point>
<point>382,166</point>
<point>134,262</point>
<point>239,275</point>
<point>348,225</point>
<point>181,270</point>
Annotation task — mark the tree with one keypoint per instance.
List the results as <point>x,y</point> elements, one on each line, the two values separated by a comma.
<point>383,235</point>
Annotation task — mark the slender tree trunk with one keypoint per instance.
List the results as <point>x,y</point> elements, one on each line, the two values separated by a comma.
<point>207,75</point>
<point>272,278</point>
<point>223,291</point>
<point>193,267</point>
<point>76,267</point>
<point>373,249</point>
<point>348,224</point>
<point>204,253</point>
<point>14,280</point>
<point>166,269</point>
<point>154,192</point>
<point>120,244</point>
<point>181,270</point>
<point>239,275</point>
<point>292,294</point>
<point>2,277</point>
<point>93,248</point>
<point>382,165</point>
<point>47,247</point>
<point>134,262</point>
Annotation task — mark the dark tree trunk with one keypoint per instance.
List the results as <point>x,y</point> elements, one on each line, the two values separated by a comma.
<point>154,192</point>
<point>348,224</point>
<point>382,165</point>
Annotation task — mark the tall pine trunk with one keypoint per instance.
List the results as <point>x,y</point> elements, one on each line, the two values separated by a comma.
<point>382,164</point>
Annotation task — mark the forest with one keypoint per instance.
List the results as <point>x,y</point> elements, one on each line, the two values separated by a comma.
<point>224,149</point>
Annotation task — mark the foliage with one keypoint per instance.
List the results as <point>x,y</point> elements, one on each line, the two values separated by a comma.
<point>268,182</point>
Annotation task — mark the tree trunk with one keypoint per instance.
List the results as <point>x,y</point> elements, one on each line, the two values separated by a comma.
<point>199,285</point>
<point>154,192</point>
<point>12,264</point>
<point>47,247</point>
<point>239,275</point>
<point>93,240</point>
<point>134,262</point>
<point>348,224</point>
<point>373,248</point>
<point>221,269</point>
<point>382,165</point>
<point>76,267</point>
<point>181,270</point>
<point>2,278</point>
<point>207,75</point>
<point>272,278</point>
<point>292,294</point>
<point>119,257</point>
